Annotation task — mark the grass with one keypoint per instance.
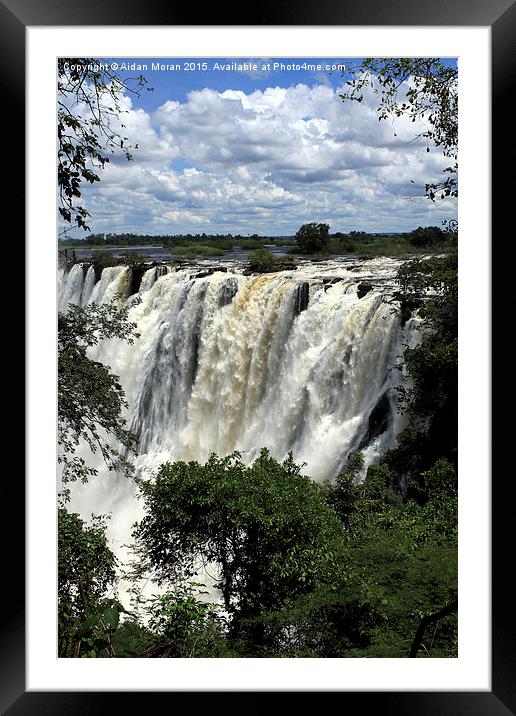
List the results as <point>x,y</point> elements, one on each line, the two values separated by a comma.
<point>196,250</point>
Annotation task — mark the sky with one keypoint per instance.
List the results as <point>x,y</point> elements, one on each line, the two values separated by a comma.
<point>260,145</point>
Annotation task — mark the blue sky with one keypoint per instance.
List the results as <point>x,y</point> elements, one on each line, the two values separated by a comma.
<point>260,148</point>
<point>176,85</point>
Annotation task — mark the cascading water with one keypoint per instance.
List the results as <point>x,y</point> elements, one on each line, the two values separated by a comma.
<point>292,361</point>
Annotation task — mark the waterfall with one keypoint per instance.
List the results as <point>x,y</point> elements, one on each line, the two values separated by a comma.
<point>293,361</point>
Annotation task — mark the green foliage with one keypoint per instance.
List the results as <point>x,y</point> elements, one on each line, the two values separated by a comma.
<point>88,114</point>
<point>218,241</point>
<point>183,626</point>
<point>131,639</point>
<point>191,246</point>
<point>266,527</point>
<point>86,573</point>
<point>431,97</point>
<point>133,260</point>
<point>430,403</point>
<point>295,583</point>
<point>90,397</point>
<point>402,560</point>
<point>194,250</point>
<point>402,245</point>
<point>343,495</point>
<point>89,623</point>
<point>341,245</point>
<point>327,622</point>
<point>101,260</point>
<point>426,236</point>
<point>312,238</point>
<point>261,261</point>
<point>86,567</point>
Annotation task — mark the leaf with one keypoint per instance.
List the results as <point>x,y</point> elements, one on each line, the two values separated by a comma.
<point>112,616</point>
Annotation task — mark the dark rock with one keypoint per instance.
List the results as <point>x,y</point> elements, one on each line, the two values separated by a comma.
<point>227,291</point>
<point>210,271</point>
<point>301,298</point>
<point>332,279</point>
<point>408,306</point>
<point>274,268</point>
<point>98,268</point>
<point>136,278</point>
<point>378,420</point>
<point>364,288</point>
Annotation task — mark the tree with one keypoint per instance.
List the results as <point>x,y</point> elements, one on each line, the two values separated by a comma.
<point>312,237</point>
<point>86,574</point>
<point>426,236</point>
<point>401,560</point>
<point>90,397</point>
<point>266,527</point>
<point>88,128</point>
<point>423,89</point>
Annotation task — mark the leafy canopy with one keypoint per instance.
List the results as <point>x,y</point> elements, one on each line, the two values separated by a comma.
<point>427,236</point>
<point>312,237</point>
<point>86,574</point>
<point>266,527</point>
<point>401,559</point>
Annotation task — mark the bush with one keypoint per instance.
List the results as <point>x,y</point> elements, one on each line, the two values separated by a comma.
<point>262,261</point>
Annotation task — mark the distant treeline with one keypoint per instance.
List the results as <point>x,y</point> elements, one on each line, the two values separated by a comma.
<point>223,241</point>
<point>313,239</point>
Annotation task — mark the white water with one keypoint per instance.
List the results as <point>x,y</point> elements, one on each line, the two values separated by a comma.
<point>227,362</point>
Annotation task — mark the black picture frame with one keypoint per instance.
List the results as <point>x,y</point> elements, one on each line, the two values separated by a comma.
<point>500,16</point>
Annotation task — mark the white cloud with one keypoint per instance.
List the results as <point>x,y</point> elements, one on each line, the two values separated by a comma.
<point>266,162</point>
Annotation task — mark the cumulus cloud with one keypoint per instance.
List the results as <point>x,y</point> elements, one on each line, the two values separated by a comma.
<point>267,161</point>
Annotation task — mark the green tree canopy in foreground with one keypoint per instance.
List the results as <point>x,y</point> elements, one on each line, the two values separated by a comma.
<point>266,527</point>
<point>336,570</point>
